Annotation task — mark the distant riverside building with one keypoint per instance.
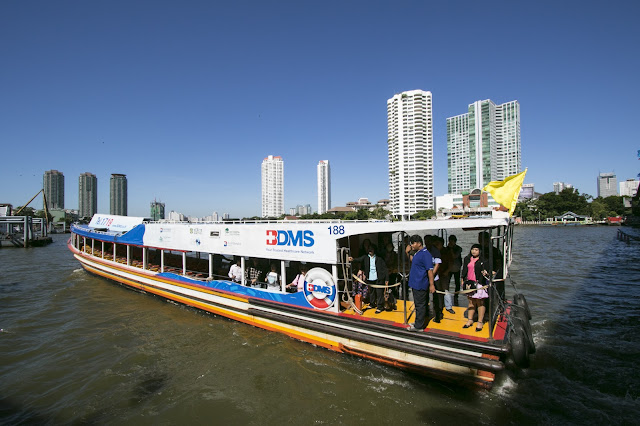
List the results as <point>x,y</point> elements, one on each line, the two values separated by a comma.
<point>176,216</point>
<point>629,188</point>
<point>607,185</point>
<point>118,194</point>
<point>324,186</point>
<point>483,145</point>
<point>410,152</point>
<point>558,187</point>
<point>527,192</point>
<point>53,185</point>
<point>215,217</point>
<point>87,195</point>
<point>157,210</point>
<point>272,186</point>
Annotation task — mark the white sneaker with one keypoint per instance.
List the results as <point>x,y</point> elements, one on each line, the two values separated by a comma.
<point>413,328</point>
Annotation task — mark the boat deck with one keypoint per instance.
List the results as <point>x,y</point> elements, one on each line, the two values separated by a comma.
<point>451,324</point>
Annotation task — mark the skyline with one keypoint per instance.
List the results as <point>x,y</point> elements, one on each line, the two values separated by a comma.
<point>187,99</point>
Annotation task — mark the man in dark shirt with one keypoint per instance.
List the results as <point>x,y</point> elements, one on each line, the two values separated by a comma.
<point>420,281</point>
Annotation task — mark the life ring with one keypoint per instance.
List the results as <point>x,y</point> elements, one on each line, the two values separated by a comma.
<point>520,300</point>
<point>319,288</point>
<point>519,347</point>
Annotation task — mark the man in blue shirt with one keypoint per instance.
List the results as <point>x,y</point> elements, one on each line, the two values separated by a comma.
<point>420,281</point>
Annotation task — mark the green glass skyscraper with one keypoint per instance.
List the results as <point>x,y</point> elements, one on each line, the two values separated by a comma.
<point>483,145</point>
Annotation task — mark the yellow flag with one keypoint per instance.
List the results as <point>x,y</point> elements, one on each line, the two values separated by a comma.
<point>506,192</point>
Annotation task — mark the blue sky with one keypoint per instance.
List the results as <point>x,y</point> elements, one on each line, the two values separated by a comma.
<point>187,97</point>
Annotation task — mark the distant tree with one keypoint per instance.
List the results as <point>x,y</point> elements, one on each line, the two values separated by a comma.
<point>568,200</point>
<point>380,213</point>
<point>527,210</point>
<point>27,211</point>
<point>598,209</point>
<point>424,214</point>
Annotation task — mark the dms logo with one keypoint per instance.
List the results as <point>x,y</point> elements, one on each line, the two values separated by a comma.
<point>319,288</point>
<point>289,238</point>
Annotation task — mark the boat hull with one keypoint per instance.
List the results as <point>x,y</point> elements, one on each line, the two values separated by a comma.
<point>469,363</point>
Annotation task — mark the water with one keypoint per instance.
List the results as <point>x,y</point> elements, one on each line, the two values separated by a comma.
<point>79,349</point>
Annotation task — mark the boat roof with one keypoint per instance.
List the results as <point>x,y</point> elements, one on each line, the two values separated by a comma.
<point>300,240</point>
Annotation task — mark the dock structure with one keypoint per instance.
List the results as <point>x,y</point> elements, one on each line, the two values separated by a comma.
<point>23,231</point>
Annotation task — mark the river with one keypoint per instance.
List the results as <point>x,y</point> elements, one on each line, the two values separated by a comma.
<point>76,348</point>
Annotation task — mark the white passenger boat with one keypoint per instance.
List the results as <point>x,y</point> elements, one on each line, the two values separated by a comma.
<point>188,263</point>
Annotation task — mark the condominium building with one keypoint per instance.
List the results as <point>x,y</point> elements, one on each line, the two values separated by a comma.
<point>607,185</point>
<point>53,185</point>
<point>324,186</point>
<point>87,195</point>
<point>272,186</point>
<point>118,194</point>
<point>483,145</point>
<point>157,210</point>
<point>558,187</point>
<point>629,188</point>
<point>410,152</point>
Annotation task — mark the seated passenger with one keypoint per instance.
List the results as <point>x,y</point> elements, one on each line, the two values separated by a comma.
<point>298,282</point>
<point>273,279</point>
<point>253,273</point>
<point>235,272</point>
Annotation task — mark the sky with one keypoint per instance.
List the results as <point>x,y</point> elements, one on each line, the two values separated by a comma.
<point>188,97</point>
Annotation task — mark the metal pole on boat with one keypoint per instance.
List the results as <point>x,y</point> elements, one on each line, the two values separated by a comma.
<point>128,255</point>
<point>492,291</point>
<point>334,271</point>
<point>102,249</point>
<point>25,233</point>
<point>184,263</point>
<point>242,266</point>
<point>93,241</point>
<point>162,260</point>
<point>114,251</point>
<point>283,276</point>
<point>210,266</point>
<point>144,257</point>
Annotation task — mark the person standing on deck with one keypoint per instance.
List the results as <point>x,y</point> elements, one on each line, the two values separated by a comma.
<point>420,281</point>
<point>377,274</point>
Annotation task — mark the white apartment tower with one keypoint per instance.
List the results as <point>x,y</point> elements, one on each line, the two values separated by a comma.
<point>410,147</point>
<point>483,145</point>
<point>272,186</point>
<point>324,186</point>
<point>607,185</point>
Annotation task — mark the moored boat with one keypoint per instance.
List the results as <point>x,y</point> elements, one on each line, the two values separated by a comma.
<point>188,263</point>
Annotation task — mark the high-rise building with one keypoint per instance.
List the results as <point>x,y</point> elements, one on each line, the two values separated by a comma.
<point>272,186</point>
<point>483,145</point>
<point>629,188</point>
<point>410,152</point>
<point>87,195</point>
<point>157,210</point>
<point>53,185</point>
<point>607,185</point>
<point>324,186</point>
<point>118,194</point>
<point>558,187</point>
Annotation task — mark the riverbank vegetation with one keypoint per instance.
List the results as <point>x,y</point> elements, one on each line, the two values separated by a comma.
<point>570,200</point>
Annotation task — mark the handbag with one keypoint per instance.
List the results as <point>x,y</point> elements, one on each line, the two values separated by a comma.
<point>470,285</point>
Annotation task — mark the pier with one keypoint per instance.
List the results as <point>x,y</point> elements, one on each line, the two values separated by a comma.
<point>23,231</point>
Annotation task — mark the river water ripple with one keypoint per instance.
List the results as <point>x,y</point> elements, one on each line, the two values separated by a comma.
<point>80,349</point>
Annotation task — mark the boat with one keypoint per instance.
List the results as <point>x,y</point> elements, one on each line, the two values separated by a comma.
<point>188,262</point>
